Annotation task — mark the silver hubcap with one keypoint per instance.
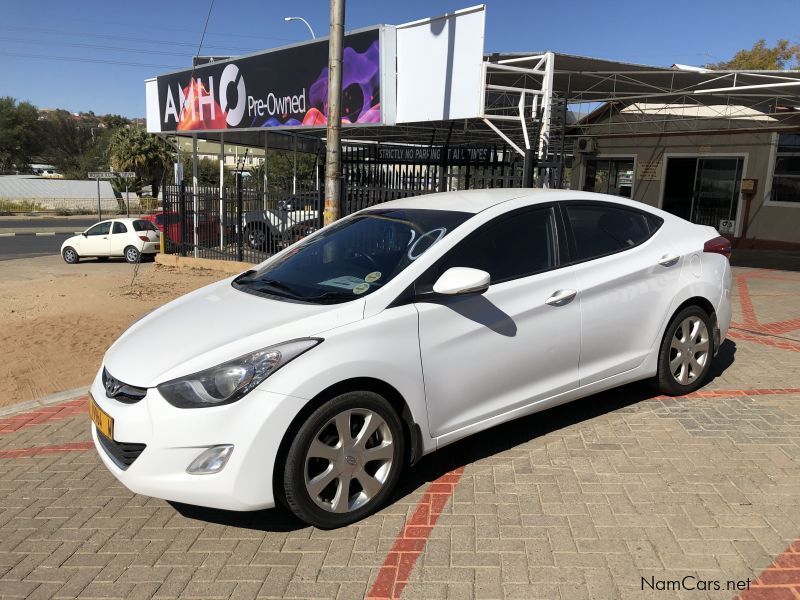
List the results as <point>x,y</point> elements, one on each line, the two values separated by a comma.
<point>70,254</point>
<point>349,460</point>
<point>688,355</point>
<point>131,254</point>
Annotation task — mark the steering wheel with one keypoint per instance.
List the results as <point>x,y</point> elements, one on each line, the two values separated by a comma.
<point>373,265</point>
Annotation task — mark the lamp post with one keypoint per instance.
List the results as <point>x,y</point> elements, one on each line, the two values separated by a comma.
<point>287,19</point>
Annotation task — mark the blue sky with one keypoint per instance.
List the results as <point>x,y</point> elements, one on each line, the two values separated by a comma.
<point>80,46</point>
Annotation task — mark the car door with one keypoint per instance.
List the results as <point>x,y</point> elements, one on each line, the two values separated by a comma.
<point>118,239</point>
<point>95,242</point>
<point>626,276</point>
<point>484,355</point>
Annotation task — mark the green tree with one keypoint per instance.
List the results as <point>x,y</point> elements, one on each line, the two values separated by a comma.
<point>761,57</point>
<point>133,149</point>
<point>74,147</point>
<point>19,139</point>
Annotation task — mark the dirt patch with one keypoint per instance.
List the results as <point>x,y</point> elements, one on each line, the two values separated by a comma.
<point>57,320</point>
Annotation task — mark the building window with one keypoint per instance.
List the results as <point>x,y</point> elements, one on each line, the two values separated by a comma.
<point>609,176</point>
<point>786,178</point>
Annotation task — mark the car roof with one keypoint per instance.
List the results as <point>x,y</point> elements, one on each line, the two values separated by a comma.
<point>475,201</point>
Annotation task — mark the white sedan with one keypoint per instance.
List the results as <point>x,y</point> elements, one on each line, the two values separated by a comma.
<point>303,382</point>
<point>128,238</point>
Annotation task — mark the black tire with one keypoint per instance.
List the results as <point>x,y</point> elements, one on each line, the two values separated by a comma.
<point>132,255</point>
<point>296,494</point>
<point>258,237</point>
<point>70,255</point>
<point>686,378</point>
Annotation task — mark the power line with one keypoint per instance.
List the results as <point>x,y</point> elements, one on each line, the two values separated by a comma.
<point>126,38</point>
<point>87,60</point>
<point>93,46</point>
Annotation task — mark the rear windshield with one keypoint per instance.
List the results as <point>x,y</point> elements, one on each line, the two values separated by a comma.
<point>144,226</point>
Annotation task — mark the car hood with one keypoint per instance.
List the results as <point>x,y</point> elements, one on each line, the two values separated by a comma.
<point>212,325</point>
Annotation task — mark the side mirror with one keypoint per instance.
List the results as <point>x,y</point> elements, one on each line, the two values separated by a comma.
<point>458,281</point>
<point>84,234</point>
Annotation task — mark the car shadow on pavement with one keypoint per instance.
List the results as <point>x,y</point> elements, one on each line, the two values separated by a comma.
<point>476,447</point>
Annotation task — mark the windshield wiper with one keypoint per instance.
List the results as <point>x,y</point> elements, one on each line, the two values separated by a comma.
<point>276,285</point>
<point>331,296</point>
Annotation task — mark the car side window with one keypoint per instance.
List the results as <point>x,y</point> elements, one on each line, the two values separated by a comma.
<point>119,228</point>
<point>601,229</point>
<point>100,229</point>
<point>509,247</point>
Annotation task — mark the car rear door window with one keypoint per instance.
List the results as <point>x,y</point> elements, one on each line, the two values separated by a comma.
<point>119,228</point>
<point>512,246</point>
<point>143,225</point>
<point>602,229</point>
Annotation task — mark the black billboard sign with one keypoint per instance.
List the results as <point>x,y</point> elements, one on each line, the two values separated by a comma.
<point>282,88</point>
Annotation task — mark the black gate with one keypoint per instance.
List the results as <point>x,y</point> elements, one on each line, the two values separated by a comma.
<point>244,224</point>
<point>377,173</point>
<point>247,224</point>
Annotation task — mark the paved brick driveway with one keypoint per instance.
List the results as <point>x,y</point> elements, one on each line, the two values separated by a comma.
<point>583,501</point>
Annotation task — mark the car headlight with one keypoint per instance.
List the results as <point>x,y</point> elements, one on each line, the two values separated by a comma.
<point>232,380</point>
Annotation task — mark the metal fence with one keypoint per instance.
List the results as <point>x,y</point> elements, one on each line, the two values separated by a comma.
<point>245,223</point>
<point>378,173</point>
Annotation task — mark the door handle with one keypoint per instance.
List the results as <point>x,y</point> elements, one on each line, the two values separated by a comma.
<point>668,260</point>
<point>561,297</point>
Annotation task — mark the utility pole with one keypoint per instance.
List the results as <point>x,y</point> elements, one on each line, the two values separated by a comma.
<point>333,143</point>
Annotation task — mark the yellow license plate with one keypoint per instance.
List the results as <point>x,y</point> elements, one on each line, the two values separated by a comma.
<point>101,420</point>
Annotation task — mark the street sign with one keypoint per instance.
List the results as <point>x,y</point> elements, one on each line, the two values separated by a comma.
<point>111,175</point>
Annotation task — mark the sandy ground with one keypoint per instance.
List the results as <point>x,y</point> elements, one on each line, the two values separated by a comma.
<point>57,320</point>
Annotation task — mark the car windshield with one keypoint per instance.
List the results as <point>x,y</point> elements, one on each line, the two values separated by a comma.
<point>354,257</point>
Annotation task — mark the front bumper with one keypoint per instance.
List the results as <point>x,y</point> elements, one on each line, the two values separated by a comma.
<point>174,437</point>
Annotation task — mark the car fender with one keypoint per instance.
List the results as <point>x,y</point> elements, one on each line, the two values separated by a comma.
<point>383,348</point>
<point>701,276</point>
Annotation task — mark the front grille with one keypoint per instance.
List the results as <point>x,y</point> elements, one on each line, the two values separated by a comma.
<point>122,453</point>
<point>122,392</point>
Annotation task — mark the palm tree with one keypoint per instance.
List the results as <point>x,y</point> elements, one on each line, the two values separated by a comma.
<point>133,149</point>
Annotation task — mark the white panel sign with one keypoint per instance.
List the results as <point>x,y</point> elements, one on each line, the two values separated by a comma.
<point>439,71</point>
<point>151,103</point>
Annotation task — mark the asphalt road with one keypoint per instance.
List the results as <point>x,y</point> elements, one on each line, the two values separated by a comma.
<point>27,246</point>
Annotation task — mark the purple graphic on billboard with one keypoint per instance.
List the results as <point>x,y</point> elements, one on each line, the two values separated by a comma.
<point>287,87</point>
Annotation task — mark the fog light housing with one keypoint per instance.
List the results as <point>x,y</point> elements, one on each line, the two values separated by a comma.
<point>212,460</point>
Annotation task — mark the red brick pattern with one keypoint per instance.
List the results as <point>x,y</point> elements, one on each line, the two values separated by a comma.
<point>44,415</point>
<point>396,569</point>
<point>750,321</point>
<point>780,580</point>
<point>40,450</point>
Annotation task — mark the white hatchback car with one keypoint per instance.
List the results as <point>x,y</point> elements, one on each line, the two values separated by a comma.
<point>314,378</point>
<point>128,238</point>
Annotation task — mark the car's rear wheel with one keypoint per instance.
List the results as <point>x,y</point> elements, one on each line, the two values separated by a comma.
<point>344,461</point>
<point>70,256</point>
<point>132,255</point>
<point>686,352</point>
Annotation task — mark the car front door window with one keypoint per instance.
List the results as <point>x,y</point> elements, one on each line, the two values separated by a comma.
<point>96,242</point>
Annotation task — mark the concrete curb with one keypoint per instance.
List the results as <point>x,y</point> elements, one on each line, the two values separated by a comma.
<point>56,398</point>
<point>226,266</point>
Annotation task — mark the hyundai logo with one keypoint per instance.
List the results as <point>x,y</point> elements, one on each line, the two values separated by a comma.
<point>112,387</point>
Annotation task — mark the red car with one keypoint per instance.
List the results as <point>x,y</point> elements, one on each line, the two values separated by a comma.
<point>169,222</point>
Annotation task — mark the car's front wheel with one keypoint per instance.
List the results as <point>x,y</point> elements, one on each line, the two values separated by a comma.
<point>686,352</point>
<point>344,461</point>
<point>70,255</point>
<point>258,238</point>
<point>132,255</point>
